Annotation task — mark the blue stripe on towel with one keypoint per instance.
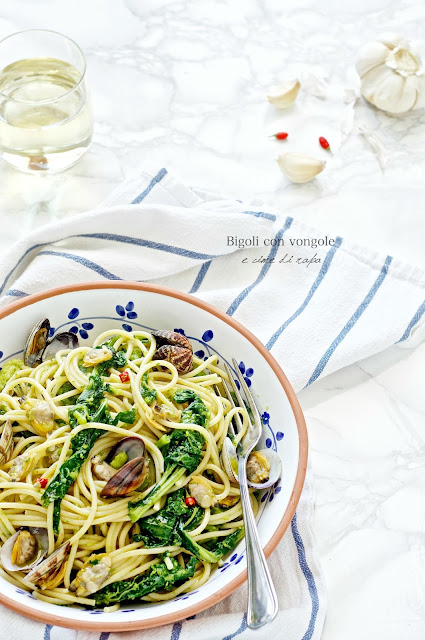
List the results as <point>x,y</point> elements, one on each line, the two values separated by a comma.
<point>47,630</point>
<point>418,315</point>
<point>323,271</point>
<point>176,630</point>
<point>264,270</point>
<point>35,246</point>
<point>261,214</point>
<point>86,263</point>
<point>200,277</point>
<point>186,253</point>
<point>104,635</point>
<point>352,321</point>
<point>308,576</point>
<point>238,631</point>
<point>153,182</point>
<point>15,293</point>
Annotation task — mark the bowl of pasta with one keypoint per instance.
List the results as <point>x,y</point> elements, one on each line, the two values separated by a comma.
<point>119,504</point>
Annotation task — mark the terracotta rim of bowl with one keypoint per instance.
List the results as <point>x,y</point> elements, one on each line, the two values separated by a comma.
<point>296,492</point>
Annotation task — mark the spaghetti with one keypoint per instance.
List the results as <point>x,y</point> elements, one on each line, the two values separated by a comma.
<point>65,477</point>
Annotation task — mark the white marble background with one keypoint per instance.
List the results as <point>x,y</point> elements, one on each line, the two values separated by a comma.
<point>183,84</point>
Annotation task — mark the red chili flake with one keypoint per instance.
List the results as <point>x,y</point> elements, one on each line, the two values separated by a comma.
<point>42,482</point>
<point>324,143</point>
<point>190,502</point>
<point>125,376</point>
<point>280,135</point>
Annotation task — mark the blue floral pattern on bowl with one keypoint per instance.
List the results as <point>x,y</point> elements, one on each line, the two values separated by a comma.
<point>126,312</point>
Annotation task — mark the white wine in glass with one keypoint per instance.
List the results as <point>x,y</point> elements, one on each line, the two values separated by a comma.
<point>45,116</point>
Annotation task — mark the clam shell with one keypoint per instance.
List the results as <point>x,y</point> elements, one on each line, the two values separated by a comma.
<point>127,479</point>
<point>49,567</point>
<point>173,338</point>
<point>133,446</point>
<point>180,357</point>
<point>6,442</point>
<point>65,340</point>
<point>36,343</point>
<point>230,463</point>
<point>6,550</point>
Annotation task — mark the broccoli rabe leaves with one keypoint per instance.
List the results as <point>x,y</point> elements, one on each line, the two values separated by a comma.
<point>117,361</point>
<point>158,577</point>
<point>171,524</point>
<point>184,395</point>
<point>129,417</point>
<point>92,407</point>
<point>67,386</point>
<point>159,529</point>
<point>182,453</point>
<point>196,413</point>
<point>148,394</point>
<point>184,449</point>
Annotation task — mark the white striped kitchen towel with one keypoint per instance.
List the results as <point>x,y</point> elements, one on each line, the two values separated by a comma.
<point>318,303</point>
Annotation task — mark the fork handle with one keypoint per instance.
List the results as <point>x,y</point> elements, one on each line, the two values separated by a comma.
<point>262,599</point>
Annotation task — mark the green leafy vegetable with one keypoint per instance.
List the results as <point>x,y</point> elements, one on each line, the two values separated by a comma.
<point>81,445</point>
<point>148,394</point>
<point>136,353</point>
<point>184,395</point>
<point>165,439</point>
<point>117,361</point>
<point>67,386</point>
<point>91,407</point>
<point>170,526</point>
<point>156,578</point>
<point>183,453</point>
<point>129,417</point>
<point>9,369</point>
<point>196,413</point>
<point>223,547</point>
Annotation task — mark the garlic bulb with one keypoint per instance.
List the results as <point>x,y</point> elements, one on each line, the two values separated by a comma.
<point>284,95</point>
<point>392,75</point>
<point>300,168</point>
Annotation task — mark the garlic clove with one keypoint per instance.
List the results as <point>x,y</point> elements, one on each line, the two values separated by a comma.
<point>420,90</point>
<point>409,95</point>
<point>370,56</point>
<point>284,95</point>
<point>390,89</point>
<point>300,168</point>
<point>372,81</point>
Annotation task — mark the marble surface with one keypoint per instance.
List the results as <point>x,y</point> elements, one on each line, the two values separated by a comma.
<point>183,84</point>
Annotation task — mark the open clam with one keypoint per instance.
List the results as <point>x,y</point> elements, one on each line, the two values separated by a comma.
<point>93,574</point>
<point>49,573</point>
<point>38,347</point>
<point>64,340</point>
<point>6,442</point>
<point>263,468</point>
<point>127,465</point>
<point>36,343</point>
<point>25,549</point>
<point>174,348</point>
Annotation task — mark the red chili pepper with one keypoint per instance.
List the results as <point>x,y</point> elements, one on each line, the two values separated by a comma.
<point>190,502</point>
<point>125,376</point>
<point>280,135</point>
<point>324,143</point>
<point>42,482</point>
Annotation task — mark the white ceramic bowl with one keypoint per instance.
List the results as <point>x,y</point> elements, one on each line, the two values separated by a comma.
<point>90,309</point>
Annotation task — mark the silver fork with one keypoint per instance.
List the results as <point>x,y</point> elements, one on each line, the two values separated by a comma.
<point>262,599</point>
